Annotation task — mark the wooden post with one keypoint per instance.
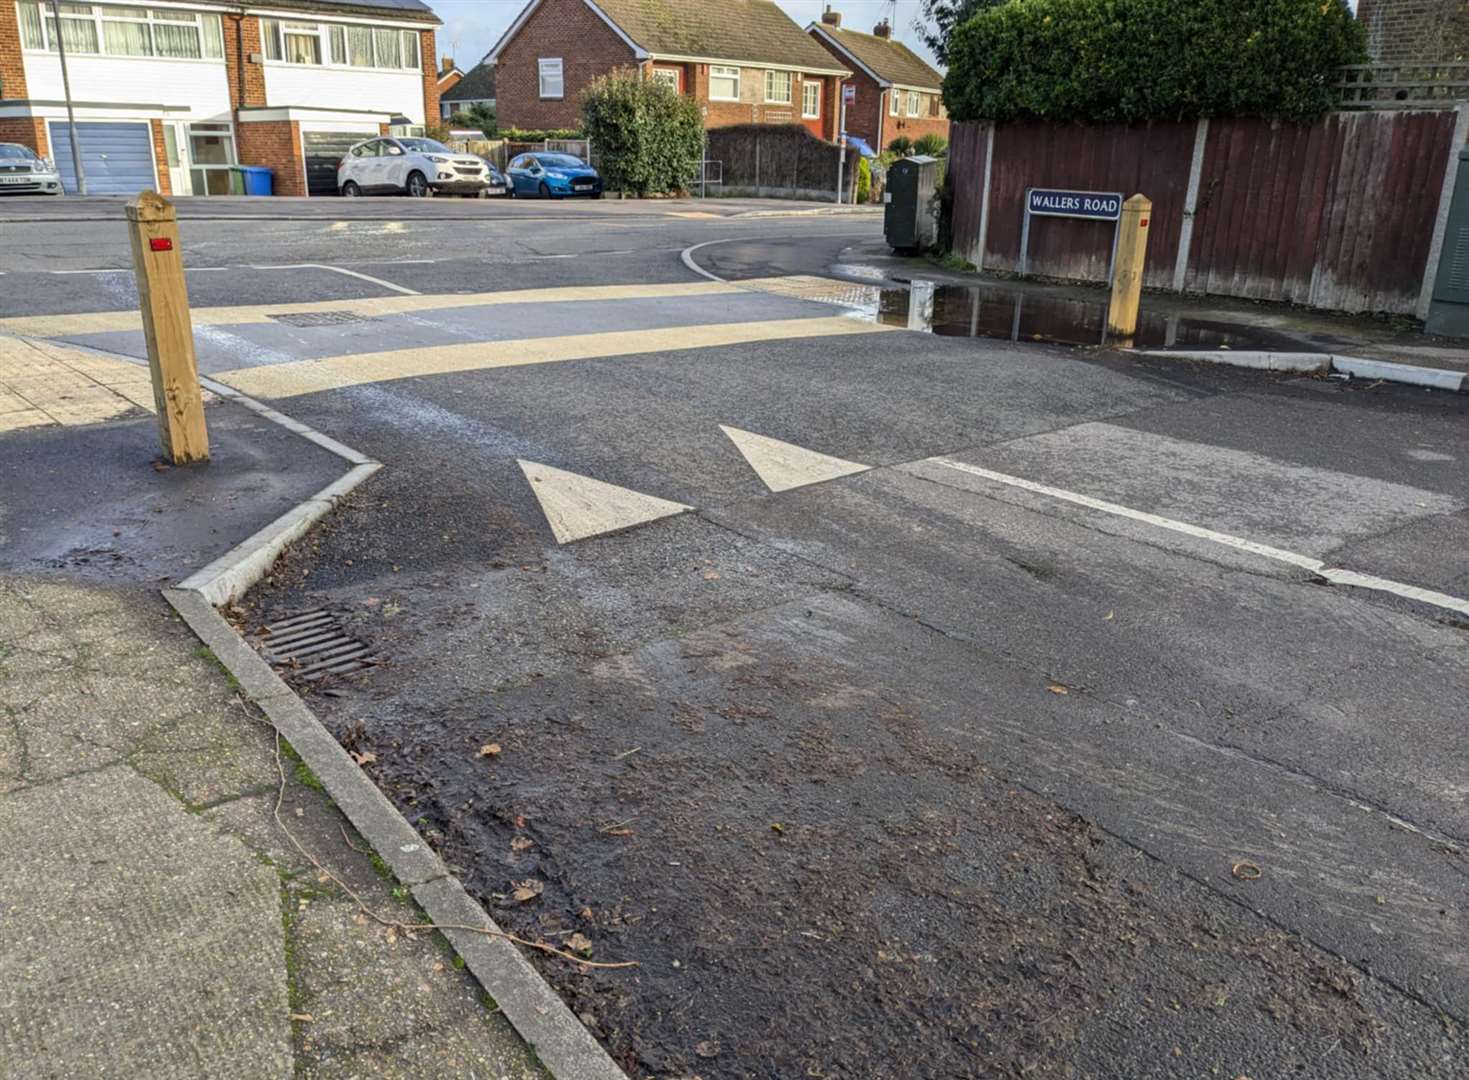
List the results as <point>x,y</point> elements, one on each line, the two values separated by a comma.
<point>1127,278</point>
<point>159,268</point>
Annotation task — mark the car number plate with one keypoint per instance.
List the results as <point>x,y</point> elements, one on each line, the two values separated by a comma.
<point>582,185</point>
<point>16,180</point>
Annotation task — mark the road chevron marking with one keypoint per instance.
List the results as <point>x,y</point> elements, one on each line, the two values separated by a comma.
<point>1335,575</point>
<point>783,466</point>
<point>578,507</point>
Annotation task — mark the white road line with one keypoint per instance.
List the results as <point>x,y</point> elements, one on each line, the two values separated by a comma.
<point>105,270</point>
<point>1397,588</point>
<point>1316,566</point>
<point>339,270</point>
<point>1304,561</point>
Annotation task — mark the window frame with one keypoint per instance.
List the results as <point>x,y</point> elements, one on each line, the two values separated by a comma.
<point>771,75</point>
<point>273,33</point>
<point>808,85</point>
<point>723,71</point>
<point>915,104</point>
<point>207,26</point>
<point>669,76</point>
<point>541,78</point>
<point>894,108</point>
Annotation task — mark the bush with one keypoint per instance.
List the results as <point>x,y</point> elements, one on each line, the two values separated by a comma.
<point>864,181</point>
<point>1132,61</point>
<point>931,145</point>
<point>902,146</point>
<point>522,135</point>
<point>649,137</point>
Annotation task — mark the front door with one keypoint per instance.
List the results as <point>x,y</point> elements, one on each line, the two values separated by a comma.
<point>175,146</point>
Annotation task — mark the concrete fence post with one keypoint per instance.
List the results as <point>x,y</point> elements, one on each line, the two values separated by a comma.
<point>977,255</point>
<point>1441,221</point>
<point>1190,206</point>
<point>164,300</point>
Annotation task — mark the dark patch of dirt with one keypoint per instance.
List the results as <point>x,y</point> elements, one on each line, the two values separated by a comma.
<point>815,885</point>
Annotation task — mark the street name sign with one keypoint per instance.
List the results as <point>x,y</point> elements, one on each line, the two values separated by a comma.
<point>1054,202</point>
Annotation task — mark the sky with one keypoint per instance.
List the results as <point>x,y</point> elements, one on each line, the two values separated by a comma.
<point>471,27</point>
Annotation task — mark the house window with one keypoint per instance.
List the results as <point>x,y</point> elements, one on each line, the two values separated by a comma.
<point>913,101</point>
<point>553,83</point>
<point>114,30</point>
<point>668,77</point>
<point>302,43</point>
<point>316,44</point>
<point>936,106</point>
<point>724,84</point>
<point>892,103</point>
<point>811,99</point>
<point>778,87</point>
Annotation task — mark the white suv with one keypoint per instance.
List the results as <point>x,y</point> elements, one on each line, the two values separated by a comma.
<point>414,167</point>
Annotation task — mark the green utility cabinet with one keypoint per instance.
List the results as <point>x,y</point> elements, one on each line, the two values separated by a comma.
<point>1448,312</point>
<point>910,218</point>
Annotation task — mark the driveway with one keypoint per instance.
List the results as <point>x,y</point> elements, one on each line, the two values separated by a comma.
<point>903,705</point>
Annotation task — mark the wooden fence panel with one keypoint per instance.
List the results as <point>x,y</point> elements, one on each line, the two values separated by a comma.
<point>967,143</point>
<point>1336,214</point>
<point>1153,161</point>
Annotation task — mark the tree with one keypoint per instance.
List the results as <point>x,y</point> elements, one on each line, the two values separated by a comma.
<point>1135,61</point>
<point>939,18</point>
<point>647,136</point>
<point>478,115</point>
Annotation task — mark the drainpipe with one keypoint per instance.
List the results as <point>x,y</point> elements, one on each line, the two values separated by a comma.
<point>71,116</point>
<point>239,18</point>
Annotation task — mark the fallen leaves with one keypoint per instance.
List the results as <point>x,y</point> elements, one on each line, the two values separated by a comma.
<point>527,890</point>
<point>580,943</point>
<point>490,750</point>
<point>363,757</point>
<point>1247,871</point>
<point>1057,688</point>
<point>708,1048</point>
<point>302,1018</point>
<point>522,843</point>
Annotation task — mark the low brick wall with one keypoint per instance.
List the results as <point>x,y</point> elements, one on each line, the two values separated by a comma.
<point>275,144</point>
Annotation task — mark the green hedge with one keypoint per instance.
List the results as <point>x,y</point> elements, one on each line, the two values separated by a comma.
<point>521,135</point>
<point>649,138</point>
<point>1131,61</point>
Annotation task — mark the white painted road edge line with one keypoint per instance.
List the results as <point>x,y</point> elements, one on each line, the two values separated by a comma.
<point>339,270</point>
<point>687,255</point>
<point>1305,562</point>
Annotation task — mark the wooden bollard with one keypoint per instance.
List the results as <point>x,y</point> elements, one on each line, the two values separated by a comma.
<point>158,266</point>
<point>1127,273</point>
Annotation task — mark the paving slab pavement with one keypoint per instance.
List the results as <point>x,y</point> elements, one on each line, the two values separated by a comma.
<point>159,913</point>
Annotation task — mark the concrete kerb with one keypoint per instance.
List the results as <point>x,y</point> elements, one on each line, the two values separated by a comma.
<point>562,1043</point>
<point>1355,366</point>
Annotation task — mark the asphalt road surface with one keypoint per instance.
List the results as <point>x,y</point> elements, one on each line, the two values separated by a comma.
<point>905,705</point>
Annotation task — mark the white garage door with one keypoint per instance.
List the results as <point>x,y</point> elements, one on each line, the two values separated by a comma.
<point>117,157</point>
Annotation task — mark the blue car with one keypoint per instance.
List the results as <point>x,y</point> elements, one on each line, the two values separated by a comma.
<point>552,176</point>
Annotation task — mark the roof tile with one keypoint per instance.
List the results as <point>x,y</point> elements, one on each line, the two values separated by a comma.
<point>891,60</point>
<point>748,31</point>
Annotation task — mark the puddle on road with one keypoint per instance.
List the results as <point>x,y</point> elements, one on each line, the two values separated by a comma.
<point>991,311</point>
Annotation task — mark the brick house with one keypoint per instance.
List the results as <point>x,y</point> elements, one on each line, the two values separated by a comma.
<point>744,61</point>
<point>897,93</point>
<point>476,88</point>
<point>1415,31</point>
<point>169,98</point>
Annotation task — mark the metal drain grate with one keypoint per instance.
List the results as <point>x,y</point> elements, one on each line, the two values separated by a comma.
<point>321,318</point>
<point>312,645</point>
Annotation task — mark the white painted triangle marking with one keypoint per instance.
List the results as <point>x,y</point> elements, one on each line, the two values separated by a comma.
<point>783,466</point>
<point>577,507</point>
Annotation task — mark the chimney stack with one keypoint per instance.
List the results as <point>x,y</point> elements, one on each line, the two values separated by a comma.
<point>447,65</point>
<point>830,17</point>
<point>884,30</point>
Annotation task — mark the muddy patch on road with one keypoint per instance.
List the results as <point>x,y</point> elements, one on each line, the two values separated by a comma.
<point>816,881</point>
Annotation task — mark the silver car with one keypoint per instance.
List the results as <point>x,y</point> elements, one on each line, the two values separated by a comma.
<point>22,170</point>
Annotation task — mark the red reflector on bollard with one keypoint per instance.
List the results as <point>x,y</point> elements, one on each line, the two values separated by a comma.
<point>160,243</point>
<point>1143,224</point>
